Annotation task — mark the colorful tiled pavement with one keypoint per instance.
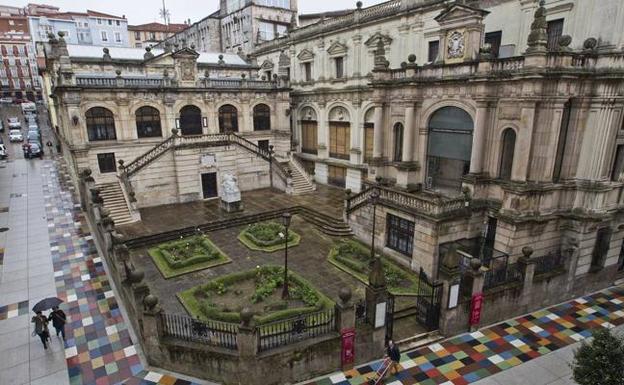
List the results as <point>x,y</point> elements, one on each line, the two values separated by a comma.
<point>471,357</point>
<point>98,349</point>
<point>13,310</point>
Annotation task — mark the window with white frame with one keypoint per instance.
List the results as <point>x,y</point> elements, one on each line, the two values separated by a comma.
<point>266,31</point>
<point>118,37</point>
<point>27,84</point>
<point>13,72</point>
<point>274,3</point>
<point>104,36</point>
<point>117,22</point>
<point>110,22</point>
<point>282,30</point>
<point>99,21</point>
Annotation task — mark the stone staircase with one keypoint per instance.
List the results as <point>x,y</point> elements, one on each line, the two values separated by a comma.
<point>115,202</point>
<point>301,183</point>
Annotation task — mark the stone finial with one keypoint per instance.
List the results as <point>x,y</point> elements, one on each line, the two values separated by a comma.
<point>380,56</point>
<point>135,276</point>
<point>590,44</point>
<point>206,74</point>
<point>150,301</point>
<point>106,56</point>
<point>174,131</point>
<point>61,34</point>
<point>221,61</point>
<point>376,277</point>
<point>564,43</point>
<point>193,46</point>
<point>358,5</point>
<point>246,315</point>
<point>118,72</point>
<point>345,294</point>
<point>475,264</point>
<point>527,251</point>
<point>411,58</point>
<point>538,37</point>
<point>243,76</point>
<point>148,53</point>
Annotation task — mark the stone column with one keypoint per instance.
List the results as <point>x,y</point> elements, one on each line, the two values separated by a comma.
<point>152,329</point>
<point>478,139</point>
<point>408,134</point>
<point>522,158</point>
<point>477,277</point>
<point>377,294</point>
<point>345,315</point>
<point>323,132</point>
<point>378,132</point>
<point>571,248</point>
<point>528,271</point>
<point>594,165</point>
<point>247,343</point>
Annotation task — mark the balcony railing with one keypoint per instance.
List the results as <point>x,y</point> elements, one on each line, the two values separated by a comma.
<point>286,332</point>
<point>212,333</point>
<point>146,82</point>
<point>551,262</point>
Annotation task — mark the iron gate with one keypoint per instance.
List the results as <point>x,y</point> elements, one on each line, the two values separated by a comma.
<point>428,302</point>
<point>389,317</point>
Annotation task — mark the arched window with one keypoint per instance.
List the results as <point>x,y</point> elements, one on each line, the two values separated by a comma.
<point>449,147</point>
<point>190,120</point>
<point>397,155</point>
<point>262,117</point>
<point>148,122</point>
<point>100,124</point>
<point>309,131</point>
<point>228,118</point>
<point>508,147</point>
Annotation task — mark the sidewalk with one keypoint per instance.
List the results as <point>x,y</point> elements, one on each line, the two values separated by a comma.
<point>515,344</point>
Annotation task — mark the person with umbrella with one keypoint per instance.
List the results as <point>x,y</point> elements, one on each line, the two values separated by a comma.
<point>41,327</point>
<point>58,318</point>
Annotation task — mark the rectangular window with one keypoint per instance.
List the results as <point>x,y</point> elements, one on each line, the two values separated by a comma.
<point>494,39</point>
<point>281,30</point>
<point>117,22</point>
<point>110,22</point>
<point>337,176</point>
<point>264,145</point>
<point>601,248</point>
<point>554,30</point>
<point>369,135</point>
<point>106,162</point>
<point>400,234</point>
<point>266,31</point>
<point>307,71</point>
<point>434,47</point>
<point>339,134</point>
<point>309,136</point>
<point>104,36</point>
<point>339,67</point>
<point>618,163</point>
<point>117,37</point>
<point>137,35</point>
<point>152,36</point>
<point>99,21</point>
<point>86,25</point>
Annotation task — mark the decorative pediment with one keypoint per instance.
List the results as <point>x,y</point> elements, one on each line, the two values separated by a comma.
<point>372,41</point>
<point>458,11</point>
<point>185,52</point>
<point>267,65</point>
<point>305,55</point>
<point>337,48</point>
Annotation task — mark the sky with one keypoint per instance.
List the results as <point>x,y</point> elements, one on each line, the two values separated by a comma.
<point>147,11</point>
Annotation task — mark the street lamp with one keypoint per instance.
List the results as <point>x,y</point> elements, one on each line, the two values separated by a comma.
<point>271,152</point>
<point>286,222</point>
<point>372,200</point>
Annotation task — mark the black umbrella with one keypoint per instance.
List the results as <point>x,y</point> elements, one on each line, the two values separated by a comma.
<point>46,304</point>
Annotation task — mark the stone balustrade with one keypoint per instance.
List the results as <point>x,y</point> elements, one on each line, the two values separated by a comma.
<point>160,82</point>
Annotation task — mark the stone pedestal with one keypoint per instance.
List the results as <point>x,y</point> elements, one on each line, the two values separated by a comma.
<point>231,207</point>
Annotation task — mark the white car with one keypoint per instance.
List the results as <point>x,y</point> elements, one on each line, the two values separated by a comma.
<point>3,152</point>
<point>6,100</point>
<point>14,123</point>
<point>16,136</point>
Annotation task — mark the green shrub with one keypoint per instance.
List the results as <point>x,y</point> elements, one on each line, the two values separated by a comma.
<point>267,234</point>
<point>188,251</point>
<point>600,362</point>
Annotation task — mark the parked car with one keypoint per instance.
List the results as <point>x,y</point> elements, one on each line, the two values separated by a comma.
<point>32,126</point>
<point>16,136</point>
<point>29,107</point>
<point>3,151</point>
<point>33,135</point>
<point>32,150</point>
<point>6,100</point>
<point>14,123</point>
<point>1,126</point>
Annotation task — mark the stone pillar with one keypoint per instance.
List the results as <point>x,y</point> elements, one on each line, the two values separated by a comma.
<point>528,272</point>
<point>478,139</point>
<point>594,165</point>
<point>449,275</point>
<point>377,295</point>
<point>323,133</point>
<point>477,277</point>
<point>571,248</point>
<point>345,316</point>
<point>378,132</point>
<point>408,134</point>
<point>522,159</point>
<point>247,343</point>
<point>152,329</point>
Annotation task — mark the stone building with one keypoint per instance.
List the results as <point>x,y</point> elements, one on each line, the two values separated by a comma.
<point>179,119</point>
<point>238,26</point>
<point>475,123</point>
<point>144,35</point>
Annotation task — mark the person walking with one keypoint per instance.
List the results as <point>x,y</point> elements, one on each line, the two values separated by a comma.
<point>58,318</point>
<point>394,354</point>
<point>41,328</point>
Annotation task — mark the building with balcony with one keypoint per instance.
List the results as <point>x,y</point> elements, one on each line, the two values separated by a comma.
<point>150,34</point>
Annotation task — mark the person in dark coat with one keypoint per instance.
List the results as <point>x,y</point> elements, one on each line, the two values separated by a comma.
<point>58,319</point>
<point>41,328</point>
<point>394,354</point>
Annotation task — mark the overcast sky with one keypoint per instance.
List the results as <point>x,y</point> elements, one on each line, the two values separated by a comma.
<point>146,11</point>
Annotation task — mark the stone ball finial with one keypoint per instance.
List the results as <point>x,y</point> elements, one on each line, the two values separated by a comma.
<point>345,294</point>
<point>106,50</point>
<point>243,76</point>
<point>148,48</point>
<point>590,43</point>
<point>165,73</point>
<point>192,46</point>
<point>221,57</point>
<point>136,276</point>
<point>174,131</point>
<point>118,72</point>
<point>274,76</point>
<point>61,33</point>
<point>411,58</point>
<point>403,65</point>
<point>150,301</point>
<point>564,41</point>
<point>358,5</point>
<point>121,162</point>
<point>246,315</point>
<point>475,264</point>
<point>527,251</point>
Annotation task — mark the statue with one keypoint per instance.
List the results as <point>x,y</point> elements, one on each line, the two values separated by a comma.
<point>230,194</point>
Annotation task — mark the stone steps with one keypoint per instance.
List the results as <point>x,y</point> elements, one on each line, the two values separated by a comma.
<point>115,202</point>
<point>300,183</point>
<point>419,340</point>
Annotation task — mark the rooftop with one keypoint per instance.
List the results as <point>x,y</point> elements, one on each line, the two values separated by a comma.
<point>158,27</point>
<point>102,14</point>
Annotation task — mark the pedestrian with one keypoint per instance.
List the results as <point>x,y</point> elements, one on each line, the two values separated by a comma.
<point>394,354</point>
<point>41,328</point>
<point>58,318</point>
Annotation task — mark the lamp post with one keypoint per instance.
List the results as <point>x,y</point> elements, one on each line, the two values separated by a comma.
<point>372,199</point>
<point>286,222</point>
<point>271,152</point>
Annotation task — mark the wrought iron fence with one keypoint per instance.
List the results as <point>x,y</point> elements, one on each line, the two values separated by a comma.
<point>213,333</point>
<point>502,276</point>
<point>285,332</point>
<point>360,313</point>
<point>549,262</point>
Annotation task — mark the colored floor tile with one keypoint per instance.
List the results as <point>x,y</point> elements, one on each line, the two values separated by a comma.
<point>13,310</point>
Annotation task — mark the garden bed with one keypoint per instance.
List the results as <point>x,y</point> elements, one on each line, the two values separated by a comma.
<point>265,236</point>
<point>353,258</point>
<point>260,289</point>
<point>187,255</point>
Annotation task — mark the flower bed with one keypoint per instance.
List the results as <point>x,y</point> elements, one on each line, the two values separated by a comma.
<point>186,255</point>
<point>354,258</point>
<point>265,236</point>
<point>260,289</point>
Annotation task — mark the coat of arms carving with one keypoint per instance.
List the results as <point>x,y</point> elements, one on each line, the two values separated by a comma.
<point>455,45</point>
<point>188,70</point>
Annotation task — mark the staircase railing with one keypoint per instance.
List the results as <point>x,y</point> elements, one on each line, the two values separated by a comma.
<point>148,157</point>
<point>415,203</point>
<point>297,164</point>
